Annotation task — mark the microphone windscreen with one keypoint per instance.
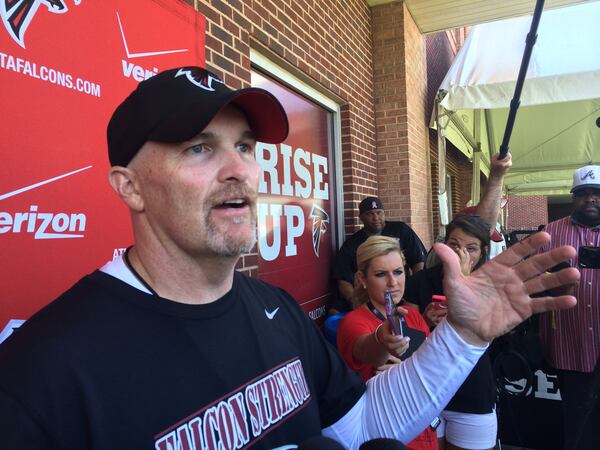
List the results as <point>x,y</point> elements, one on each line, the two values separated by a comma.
<point>382,444</point>
<point>320,443</point>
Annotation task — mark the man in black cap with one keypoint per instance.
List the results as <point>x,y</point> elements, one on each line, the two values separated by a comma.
<point>372,215</point>
<point>169,348</point>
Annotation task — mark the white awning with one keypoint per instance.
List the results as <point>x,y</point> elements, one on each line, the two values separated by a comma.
<point>439,15</point>
<point>557,128</point>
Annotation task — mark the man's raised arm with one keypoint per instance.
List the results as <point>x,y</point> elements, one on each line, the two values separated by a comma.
<point>489,204</point>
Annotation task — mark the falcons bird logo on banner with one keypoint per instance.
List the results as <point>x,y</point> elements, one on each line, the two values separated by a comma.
<point>17,14</point>
<point>320,220</point>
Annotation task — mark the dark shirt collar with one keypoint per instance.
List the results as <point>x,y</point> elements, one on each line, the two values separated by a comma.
<point>576,222</point>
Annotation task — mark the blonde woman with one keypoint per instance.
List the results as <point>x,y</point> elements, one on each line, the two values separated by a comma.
<point>364,339</point>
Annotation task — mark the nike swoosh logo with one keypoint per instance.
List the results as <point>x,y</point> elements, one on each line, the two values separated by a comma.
<point>140,55</point>
<point>41,183</point>
<point>271,314</point>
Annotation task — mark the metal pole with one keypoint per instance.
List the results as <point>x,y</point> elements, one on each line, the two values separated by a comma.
<point>516,101</point>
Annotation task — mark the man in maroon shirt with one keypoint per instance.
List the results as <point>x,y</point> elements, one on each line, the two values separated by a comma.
<point>571,338</point>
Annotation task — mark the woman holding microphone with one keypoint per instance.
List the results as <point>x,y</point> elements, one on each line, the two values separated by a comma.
<point>363,336</point>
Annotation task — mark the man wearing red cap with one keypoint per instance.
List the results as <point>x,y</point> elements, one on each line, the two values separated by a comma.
<point>169,348</point>
<point>491,202</point>
<point>571,339</point>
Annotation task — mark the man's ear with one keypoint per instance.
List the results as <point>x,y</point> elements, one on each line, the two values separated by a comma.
<point>125,184</point>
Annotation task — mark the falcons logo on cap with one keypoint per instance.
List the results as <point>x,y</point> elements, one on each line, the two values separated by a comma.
<point>201,78</point>
<point>320,220</point>
<point>17,14</point>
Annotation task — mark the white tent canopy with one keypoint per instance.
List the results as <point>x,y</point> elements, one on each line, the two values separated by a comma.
<point>556,129</point>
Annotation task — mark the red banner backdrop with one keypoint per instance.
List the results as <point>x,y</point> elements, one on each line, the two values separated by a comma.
<point>295,211</point>
<point>64,66</point>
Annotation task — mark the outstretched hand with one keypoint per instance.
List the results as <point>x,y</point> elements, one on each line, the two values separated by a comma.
<point>497,297</point>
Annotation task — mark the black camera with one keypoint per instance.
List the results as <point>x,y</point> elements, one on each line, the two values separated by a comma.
<point>589,257</point>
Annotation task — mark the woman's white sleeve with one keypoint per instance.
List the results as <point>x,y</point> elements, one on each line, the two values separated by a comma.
<point>402,401</point>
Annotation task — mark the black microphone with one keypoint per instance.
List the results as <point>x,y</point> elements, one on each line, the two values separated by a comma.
<point>320,443</point>
<point>560,266</point>
<point>383,444</point>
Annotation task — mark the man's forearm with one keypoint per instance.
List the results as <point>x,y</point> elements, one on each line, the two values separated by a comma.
<point>489,206</point>
<point>402,401</point>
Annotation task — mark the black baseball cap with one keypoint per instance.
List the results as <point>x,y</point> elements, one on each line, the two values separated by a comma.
<point>177,104</point>
<point>369,203</point>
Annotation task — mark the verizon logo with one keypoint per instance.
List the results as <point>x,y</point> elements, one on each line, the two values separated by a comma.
<point>43,225</point>
<point>139,73</point>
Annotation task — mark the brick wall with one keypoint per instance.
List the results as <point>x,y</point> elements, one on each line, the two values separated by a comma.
<point>418,131</point>
<point>327,43</point>
<point>463,176</point>
<point>400,105</point>
<point>441,50</point>
<point>435,210</point>
<point>526,211</point>
<point>458,167</point>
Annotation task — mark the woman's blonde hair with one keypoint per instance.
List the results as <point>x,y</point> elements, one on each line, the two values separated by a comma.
<point>373,247</point>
